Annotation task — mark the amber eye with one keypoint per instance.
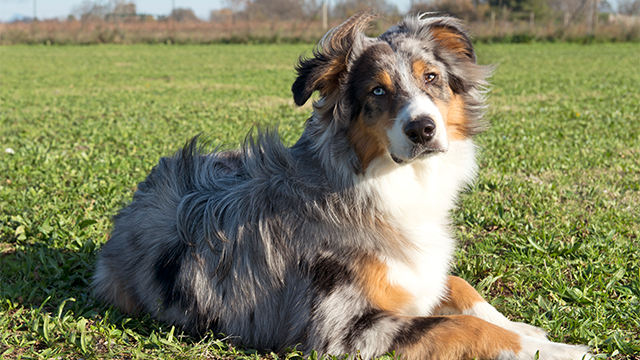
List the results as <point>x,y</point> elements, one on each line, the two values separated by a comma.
<point>378,91</point>
<point>430,77</point>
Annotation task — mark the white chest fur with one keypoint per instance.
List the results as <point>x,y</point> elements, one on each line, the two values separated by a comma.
<point>416,199</point>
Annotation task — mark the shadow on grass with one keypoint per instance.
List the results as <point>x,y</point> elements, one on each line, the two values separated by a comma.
<point>58,282</point>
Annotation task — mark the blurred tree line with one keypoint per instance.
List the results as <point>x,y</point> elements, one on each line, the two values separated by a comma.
<point>470,10</point>
<point>297,9</point>
<point>277,10</point>
<point>475,10</point>
<point>124,11</point>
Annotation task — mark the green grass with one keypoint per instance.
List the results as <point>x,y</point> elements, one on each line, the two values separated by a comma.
<point>550,232</point>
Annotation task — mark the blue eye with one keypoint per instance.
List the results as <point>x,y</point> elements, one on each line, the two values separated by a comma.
<point>378,91</point>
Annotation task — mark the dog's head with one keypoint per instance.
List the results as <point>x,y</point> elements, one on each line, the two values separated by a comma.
<point>406,94</point>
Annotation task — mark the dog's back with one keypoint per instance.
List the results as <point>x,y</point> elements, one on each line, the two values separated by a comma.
<point>189,248</point>
<point>233,242</point>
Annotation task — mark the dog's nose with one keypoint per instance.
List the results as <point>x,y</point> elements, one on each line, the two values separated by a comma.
<point>420,130</point>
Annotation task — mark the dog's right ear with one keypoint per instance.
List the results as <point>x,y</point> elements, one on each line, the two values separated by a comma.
<point>325,70</point>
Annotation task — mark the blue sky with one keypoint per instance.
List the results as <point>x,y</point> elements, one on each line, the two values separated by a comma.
<point>46,9</point>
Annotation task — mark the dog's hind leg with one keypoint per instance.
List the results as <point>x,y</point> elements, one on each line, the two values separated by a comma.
<point>109,288</point>
<point>464,299</point>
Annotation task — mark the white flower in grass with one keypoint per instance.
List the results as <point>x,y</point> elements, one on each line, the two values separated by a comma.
<point>9,151</point>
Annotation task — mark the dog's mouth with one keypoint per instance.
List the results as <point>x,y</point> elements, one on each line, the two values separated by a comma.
<point>418,152</point>
<point>396,159</point>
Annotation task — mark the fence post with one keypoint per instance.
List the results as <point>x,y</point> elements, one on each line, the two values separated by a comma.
<point>596,3</point>
<point>590,19</point>
<point>325,24</point>
<point>532,20</point>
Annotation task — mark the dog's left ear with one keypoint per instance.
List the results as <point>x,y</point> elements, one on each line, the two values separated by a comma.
<point>328,66</point>
<point>451,36</point>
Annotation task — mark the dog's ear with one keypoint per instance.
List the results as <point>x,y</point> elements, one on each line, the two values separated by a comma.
<point>450,35</point>
<point>324,71</point>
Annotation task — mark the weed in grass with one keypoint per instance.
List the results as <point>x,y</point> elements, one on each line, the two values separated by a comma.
<point>549,233</point>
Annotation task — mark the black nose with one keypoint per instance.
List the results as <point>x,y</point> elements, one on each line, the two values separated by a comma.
<point>420,130</point>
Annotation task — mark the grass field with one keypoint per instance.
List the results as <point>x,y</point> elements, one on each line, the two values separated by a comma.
<point>550,232</point>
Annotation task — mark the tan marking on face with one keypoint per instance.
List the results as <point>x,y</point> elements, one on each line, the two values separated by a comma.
<point>462,337</point>
<point>455,117</point>
<point>450,40</point>
<point>369,142</point>
<point>461,296</point>
<point>372,276</point>
<point>384,79</point>
<point>419,68</point>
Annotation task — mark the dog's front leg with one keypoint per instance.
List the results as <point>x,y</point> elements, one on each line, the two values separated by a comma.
<point>451,337</point>
<point>464,299</point>
<point>462,337</point>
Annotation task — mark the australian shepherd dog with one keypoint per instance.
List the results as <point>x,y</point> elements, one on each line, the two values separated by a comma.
<point>341,242</point>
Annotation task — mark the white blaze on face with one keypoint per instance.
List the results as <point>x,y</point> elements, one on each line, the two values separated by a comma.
<point>419,106</point>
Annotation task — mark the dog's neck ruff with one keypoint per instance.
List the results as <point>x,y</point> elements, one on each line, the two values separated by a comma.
<point>423,190</point>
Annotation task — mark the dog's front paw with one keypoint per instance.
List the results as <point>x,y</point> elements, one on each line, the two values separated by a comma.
<point>526,330</point>
<point>547,350</point>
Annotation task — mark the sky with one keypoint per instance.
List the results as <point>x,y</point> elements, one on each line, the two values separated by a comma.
<point>47,9</point>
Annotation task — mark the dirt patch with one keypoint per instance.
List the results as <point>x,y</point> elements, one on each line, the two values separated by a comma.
<point>501,288</point>
<point>6,250</point>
